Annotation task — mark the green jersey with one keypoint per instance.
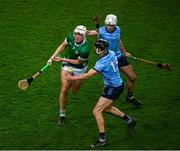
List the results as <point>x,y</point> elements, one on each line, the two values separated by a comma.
<point>75,51</point>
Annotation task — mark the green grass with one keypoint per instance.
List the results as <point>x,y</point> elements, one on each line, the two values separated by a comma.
<point>30,31</point>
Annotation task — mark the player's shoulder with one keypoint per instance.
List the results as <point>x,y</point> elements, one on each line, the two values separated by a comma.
<point>85,47</point>
<point>111,52</point>
<point>102,28</point>
<point>118,28</point>
<point>86,43</point>
<point>105,59</point>
<point>100,62</point>
<point>69,36</point>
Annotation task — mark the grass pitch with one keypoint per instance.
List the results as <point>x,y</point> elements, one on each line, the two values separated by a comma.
<point>30,31</point>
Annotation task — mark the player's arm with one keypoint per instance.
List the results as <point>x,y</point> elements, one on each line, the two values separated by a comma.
<point>84,76</point>
<point>60,48</point>
<point>95,32</point>
<point>83,57</point>
<point>92,32</point>
<point>96,21</point>
<point>58,51</point>
<point>72,61</point>
<point>122,48</point>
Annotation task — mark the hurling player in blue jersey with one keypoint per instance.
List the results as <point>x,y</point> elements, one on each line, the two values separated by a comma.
<point>107,66</point>
<point>112,33</point>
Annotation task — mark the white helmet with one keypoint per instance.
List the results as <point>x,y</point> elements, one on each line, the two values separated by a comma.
<point>111,19</point>
<point>81,30</point>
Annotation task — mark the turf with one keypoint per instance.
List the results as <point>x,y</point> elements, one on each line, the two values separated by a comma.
<point>30,31</point>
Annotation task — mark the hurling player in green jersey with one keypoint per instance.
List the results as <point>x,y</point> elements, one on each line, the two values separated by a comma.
<point>74,63</point>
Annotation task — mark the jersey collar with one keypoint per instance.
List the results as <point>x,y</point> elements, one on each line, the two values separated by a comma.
<point>81,43</point>
<point>113,30</point>
<point>104,55</point>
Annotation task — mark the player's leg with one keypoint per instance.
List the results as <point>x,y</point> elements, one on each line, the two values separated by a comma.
<point>113,93</point>
<point>115,111</point>
<point>108,95</point>
<point>97,112</point>
<point>129,120</point>
<point>127,69</point>
<point>77,84</point>
<point>129,72</point>
<point>65,86</point>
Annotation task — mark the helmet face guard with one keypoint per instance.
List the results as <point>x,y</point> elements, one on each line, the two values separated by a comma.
<point>111,19</point>
<point>98,51</point>
<point>101,46</point>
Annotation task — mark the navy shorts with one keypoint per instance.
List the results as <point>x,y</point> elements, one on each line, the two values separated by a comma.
<point>112,93</point>
<point>122,61</point>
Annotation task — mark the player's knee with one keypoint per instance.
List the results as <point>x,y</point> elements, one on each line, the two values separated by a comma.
<point>75,87</point>
<point>96,112</point>
<point>75,90</point>
<point>107,109</point>
<point>64,90</point>
<point>132,78</point>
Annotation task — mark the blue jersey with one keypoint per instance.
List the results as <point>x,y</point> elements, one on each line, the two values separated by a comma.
<point>108,67</point>
<point>112,37</point>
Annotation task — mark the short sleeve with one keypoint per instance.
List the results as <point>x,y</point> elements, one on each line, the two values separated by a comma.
<point>98,66</point>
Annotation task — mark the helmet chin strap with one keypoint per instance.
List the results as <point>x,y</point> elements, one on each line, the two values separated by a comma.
<point>112,30</point>
<point>80,43</point>
<point>100,52</point>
